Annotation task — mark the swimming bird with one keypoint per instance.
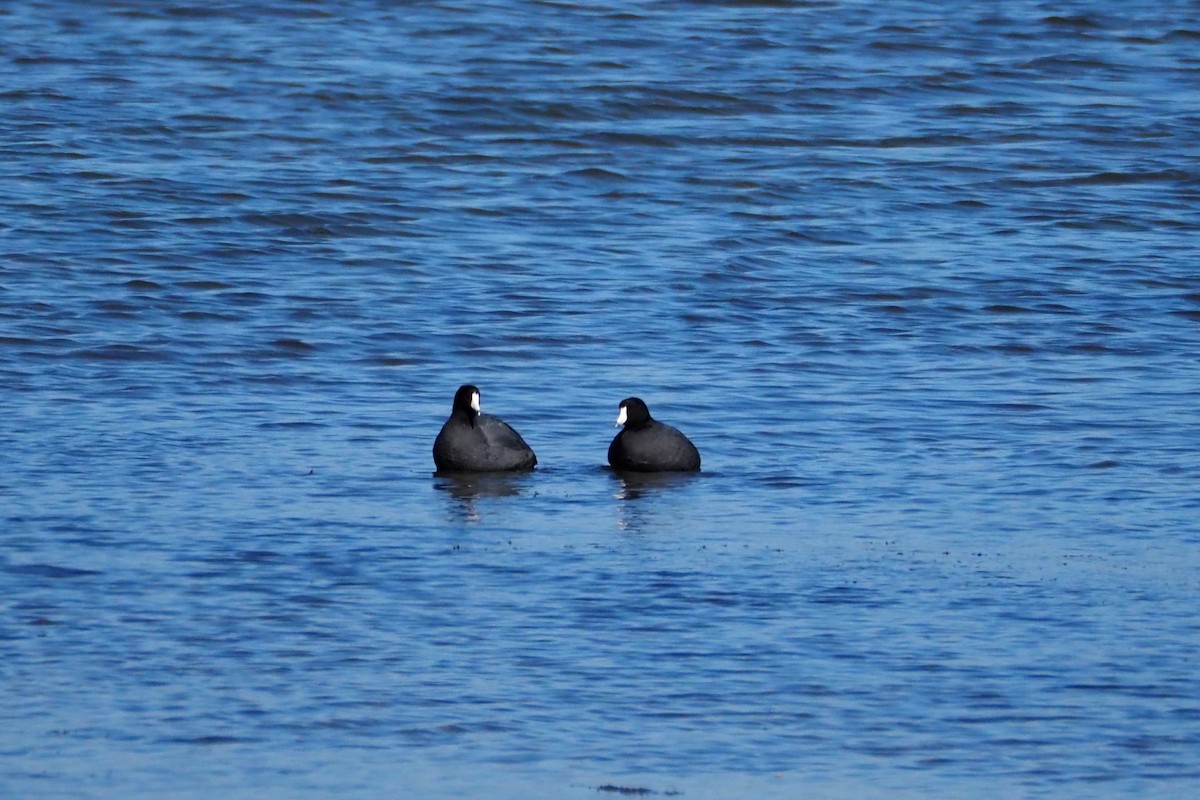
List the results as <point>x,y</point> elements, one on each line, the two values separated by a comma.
<point>647,445</point>
<point>472,441</point>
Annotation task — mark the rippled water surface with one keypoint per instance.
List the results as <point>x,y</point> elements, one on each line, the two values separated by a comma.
<point>921,280</point>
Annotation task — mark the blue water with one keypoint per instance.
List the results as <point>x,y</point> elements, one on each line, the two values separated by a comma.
<point>921,280</point>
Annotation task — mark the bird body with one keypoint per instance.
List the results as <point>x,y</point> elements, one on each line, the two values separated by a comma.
<point>471,441</point>
<point>647,445</point>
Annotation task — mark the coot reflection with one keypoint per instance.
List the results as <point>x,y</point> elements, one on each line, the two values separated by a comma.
<point>634,485</point>
<point>466,490</point>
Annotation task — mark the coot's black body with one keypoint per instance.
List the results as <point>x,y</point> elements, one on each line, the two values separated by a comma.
<point>647,445</point>
<point>472,441</point>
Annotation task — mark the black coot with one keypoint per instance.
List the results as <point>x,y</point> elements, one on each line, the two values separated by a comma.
<point>471,441</point>
<point>647,445</point>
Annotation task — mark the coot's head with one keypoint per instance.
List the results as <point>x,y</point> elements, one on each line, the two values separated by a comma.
<point>633,413</point>
<point>466,400</point>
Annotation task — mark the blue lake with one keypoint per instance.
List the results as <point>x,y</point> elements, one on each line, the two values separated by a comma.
<point>920,280</point>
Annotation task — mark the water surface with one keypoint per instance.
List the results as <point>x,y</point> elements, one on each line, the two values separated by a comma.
<point>920,282</point>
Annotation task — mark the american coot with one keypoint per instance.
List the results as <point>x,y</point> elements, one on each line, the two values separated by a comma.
<point>471,441</point>
<point>647,445</point>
